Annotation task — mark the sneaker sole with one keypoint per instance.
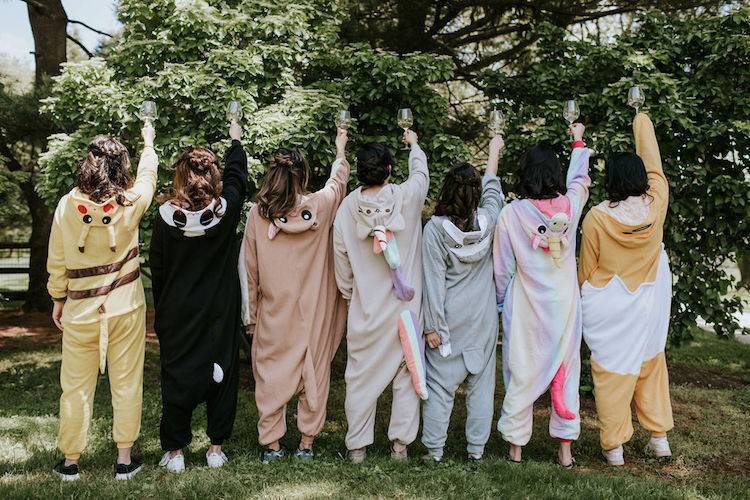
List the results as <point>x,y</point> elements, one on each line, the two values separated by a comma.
<point>67,477</point>
<point>128,475</point>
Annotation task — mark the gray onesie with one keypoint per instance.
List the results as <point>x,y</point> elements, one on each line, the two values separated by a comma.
<point>459,304</point>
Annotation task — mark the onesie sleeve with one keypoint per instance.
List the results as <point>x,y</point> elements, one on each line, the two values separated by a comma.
<point>503,259</point>
<point>156,258</point>
<point>588,259</point>
<point>415,187</point>
<point>250,254</point>
<point>578,179</point>
<point>342,265</point>
<point>57,284</point>
<point>234,181</point>
<point>335,188</point>
<point>647,148</point>
<point>144,186</point>
<point>492,196</point>
<point>433,296</point>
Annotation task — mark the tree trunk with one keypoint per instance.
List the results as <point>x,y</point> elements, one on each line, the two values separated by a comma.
<point>49,27</point>
<point>743,262</point>
<point>411,35</point>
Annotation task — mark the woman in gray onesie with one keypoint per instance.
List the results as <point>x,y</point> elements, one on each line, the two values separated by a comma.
<point>460,314</point>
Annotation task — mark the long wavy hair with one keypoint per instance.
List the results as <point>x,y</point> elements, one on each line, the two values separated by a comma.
<point>197,180</point>
<point>460,195</point>
<point>286,179</point>
<point>105,172</point>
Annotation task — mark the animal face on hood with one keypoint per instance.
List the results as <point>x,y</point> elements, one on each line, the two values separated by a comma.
<point>303,218</point>
<point>382,211</point>
<point>101,216</point>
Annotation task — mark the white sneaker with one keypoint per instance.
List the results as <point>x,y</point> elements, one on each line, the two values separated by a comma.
<point>659,447</point>
<point>614,457</point>
<point>174,464</point>
<point>216,460</point>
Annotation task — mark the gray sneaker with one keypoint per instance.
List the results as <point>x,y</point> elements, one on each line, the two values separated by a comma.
<point>304,454</point>
<point>270,455</point>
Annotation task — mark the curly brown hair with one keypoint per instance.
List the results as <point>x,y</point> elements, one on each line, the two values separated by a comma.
<point>286,179</point>
<point>460,196</point>
<point>105,172</point>
<point>197,180</point>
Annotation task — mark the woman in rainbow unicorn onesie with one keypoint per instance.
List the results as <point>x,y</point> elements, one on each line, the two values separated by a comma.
<point>537,291</point>
<point>624,274</point>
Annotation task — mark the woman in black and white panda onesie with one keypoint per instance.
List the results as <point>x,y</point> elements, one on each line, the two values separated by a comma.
<point>194,252</point>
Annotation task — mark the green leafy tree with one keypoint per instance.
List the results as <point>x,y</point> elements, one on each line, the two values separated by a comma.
<point>696,74</point>
<point>284,63</point>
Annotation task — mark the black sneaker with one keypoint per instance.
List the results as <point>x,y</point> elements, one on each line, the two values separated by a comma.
<point>270,455</point>
<point>124,472</point>
<point>66,473</point>
<point>304,454</point>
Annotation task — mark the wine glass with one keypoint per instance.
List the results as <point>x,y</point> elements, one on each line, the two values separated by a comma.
<point>343,119</point>
<point>405,121</point>
<point>148,112</point>
<point>636,97</point>
<point>234,111</point>
<point>571,111</point>
<point>495,123</point>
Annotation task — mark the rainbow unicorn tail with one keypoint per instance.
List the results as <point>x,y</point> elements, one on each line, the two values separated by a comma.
<point>401,288</point>
<point>557,393</point>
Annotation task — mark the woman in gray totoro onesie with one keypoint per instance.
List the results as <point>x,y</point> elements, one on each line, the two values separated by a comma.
<point>458,301</point>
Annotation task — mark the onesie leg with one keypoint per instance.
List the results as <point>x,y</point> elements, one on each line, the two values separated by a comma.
<point>310,422</point>
<point>480,402</point>
<point>652,403</point>
<point>362,393</point>
<point>221,404</point>
<point>613,393</point>
<point>404,422</point>
<point>443,378</point>
<point>175,431</point>
<point>78,374</point>
<point>127,342</point>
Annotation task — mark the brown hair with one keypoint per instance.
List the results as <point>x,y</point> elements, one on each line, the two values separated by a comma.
<point>460,196</point>
<point>105,172</point>
<point>286,179</point>
<point>197,180</point>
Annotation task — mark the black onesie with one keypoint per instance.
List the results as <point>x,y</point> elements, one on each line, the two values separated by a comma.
<point>197,298</point>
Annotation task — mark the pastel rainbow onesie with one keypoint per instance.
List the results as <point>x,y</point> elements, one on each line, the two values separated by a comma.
<point>535,280</point>
<point>626,289</point>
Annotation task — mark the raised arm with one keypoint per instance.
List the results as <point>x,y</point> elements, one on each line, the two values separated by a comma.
<point>419,176</point>
<point>234,181</point>
<point>578,179</point>
<point>492,193</point>
<point>503,260</point>
<point>249,254</point>
<point>144,186</point>
<point>433,294</point>
<point>648,149</point>
<point>588,260</point>
<point>335,187</point>
<point>342,265</point>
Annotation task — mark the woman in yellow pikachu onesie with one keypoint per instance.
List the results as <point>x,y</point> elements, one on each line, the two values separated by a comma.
<point>626,292</point>
<point>99,304</point>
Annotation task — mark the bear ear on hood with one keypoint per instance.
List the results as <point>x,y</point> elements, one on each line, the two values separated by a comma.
<point>273,230</point>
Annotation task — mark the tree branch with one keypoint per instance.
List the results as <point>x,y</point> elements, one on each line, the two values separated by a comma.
<point>13,164</point>
<point>74,21</point>
<point>82,46</point>
<point>500,56</point>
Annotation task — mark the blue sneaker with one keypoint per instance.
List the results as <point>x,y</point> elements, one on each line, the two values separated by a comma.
<point>270,455</point>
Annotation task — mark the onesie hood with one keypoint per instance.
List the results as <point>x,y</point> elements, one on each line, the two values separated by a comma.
<point>547,223</point>
<point>467,246</point>
<point>193,223</point>
<point>631,222</point>
<point>380,211</point>
<point>94,216</point>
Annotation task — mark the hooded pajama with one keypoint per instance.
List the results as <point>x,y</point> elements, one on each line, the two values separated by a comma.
<point>459,304</point>
<point>378,293</point>
<point>294,307</point>
<point>93,267</point>
<point>535,278</point>
<point>197,299</point>
<point>626,296</point>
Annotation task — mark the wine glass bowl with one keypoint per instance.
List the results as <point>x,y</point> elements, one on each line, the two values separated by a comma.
<point>636,97</point>
<point>343,119</point>
<point>496,122</point>
<point>234,111</point>
<point>405,120</point>
<point>571,112</point>
<point>148,112</point>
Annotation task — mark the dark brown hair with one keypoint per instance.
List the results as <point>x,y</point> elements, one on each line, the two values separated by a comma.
<point>460,196</point>
<point>197,180</point>
<point>540,173</point>
<point>286,179</point>
<point>105,172</point>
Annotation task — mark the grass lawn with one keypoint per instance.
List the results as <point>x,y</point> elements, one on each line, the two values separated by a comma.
<point>711,441</point>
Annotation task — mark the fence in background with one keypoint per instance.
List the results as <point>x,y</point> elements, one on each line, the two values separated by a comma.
<point>14,270</point>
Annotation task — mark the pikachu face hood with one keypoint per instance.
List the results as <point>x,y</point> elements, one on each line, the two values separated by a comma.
<point>93,216</point>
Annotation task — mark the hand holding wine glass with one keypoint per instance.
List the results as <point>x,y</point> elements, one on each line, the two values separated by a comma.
<point>497,144</point>
<point>410,137</point>
<point>405,120</point>
<point>148,134</point>
<point>148,112</point>
<point>342,137</point>
<point>576,130</point>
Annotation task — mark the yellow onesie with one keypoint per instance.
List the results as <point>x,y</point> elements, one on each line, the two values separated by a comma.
<point>93,267</point>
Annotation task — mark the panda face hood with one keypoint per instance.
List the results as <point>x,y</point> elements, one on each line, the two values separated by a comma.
<point>193,223</point>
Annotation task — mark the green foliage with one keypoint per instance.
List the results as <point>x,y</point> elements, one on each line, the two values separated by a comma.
<point>695,73</point>
<point>282,61</point>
